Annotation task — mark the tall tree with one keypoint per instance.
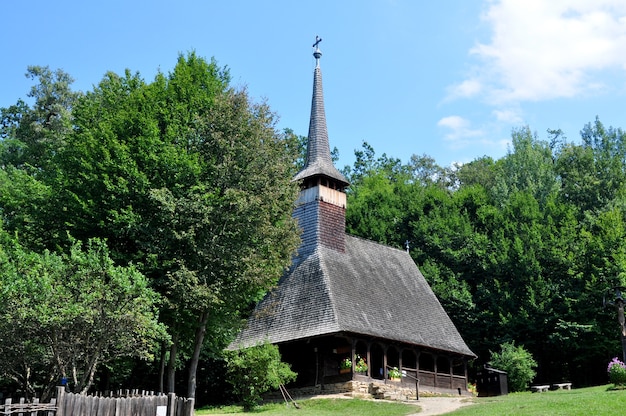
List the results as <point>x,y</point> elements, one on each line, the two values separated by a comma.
<point>191,180</point>
<point>31,136</point>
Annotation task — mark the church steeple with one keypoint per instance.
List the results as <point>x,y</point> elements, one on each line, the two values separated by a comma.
<point>321,207</point>
<point>319,166</point>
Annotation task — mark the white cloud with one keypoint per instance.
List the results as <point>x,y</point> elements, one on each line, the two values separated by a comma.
<point>459,130</point>
<point>466,89</point>
<point>460,134</point>
<point>543,49</point>
<point>510,116</point>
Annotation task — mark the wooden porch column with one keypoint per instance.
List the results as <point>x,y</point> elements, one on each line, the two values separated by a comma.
<point>385,349</point>
<point>353,354</point>
<point>417,363</point>
<point>369,359</point>
<point>465,368</point>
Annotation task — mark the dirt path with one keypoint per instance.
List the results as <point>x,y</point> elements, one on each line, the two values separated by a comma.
<point>432,406</point>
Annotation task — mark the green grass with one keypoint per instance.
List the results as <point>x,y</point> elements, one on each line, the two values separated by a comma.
<point>322,407</point>
<point>596,401</point>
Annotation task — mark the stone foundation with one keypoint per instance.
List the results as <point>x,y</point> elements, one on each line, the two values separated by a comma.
<point>372,389</point>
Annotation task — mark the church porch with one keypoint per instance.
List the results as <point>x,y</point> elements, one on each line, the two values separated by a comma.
<point>318,362</point>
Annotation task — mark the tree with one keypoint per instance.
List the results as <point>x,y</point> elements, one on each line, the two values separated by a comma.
<point>32,136</point>
<point>189,179</point>
<point>518,364</point>
<point>480,172</point>
<point>255,370</point>
<point>528,167</point>
<point>67,315</point>
<point>594,172</point>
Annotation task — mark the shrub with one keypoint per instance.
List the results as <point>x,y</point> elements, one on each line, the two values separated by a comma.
<point>254,371</point>
<point>617,372</point>
<point>518,363</point>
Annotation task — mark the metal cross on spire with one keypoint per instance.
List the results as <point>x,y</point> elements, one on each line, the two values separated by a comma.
<point>317,53</point>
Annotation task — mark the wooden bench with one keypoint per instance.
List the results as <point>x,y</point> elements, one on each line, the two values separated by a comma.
<point>539,389</point>
<point>566,386</point>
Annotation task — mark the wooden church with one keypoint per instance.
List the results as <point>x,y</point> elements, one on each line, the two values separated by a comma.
<point>346,301</point>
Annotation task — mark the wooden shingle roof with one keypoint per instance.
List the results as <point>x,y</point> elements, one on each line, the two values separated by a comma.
<point>370,290</point>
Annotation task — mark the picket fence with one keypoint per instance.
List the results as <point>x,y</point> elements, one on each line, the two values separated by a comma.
<point>132,404</point>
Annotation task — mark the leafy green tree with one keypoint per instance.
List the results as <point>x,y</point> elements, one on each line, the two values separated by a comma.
<point>184,177</point>
<point>593,173</point>
<point>255,370</point>
<point>518,363</point>
<point>188,178</point>
<point>479,172</point>
<point>375,209</point>
<point>424,170</point>
<point>67,315</point>
<point>31,136</point>
<point>528,167</point>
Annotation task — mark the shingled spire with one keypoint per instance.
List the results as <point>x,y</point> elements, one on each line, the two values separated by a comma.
<point>321,207</point>
<point>319,164</point>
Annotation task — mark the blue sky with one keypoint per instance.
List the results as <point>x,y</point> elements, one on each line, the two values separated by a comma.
<point>448,78</point>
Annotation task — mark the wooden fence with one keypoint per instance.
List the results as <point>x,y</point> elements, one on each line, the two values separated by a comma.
<point>34,408</point>
<point>132,404</point>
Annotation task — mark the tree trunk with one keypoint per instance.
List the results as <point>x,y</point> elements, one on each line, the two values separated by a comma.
<point>162,366</point>
<point>171,365</point>
<point>197,348</point>
<point>89,380</point>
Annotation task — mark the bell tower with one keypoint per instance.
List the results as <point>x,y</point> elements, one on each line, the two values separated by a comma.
<point>321,206</point>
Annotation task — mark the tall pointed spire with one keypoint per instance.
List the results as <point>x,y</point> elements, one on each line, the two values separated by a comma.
<point>318,162</point>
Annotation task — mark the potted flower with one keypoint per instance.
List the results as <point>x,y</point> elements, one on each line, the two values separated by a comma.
<point>395,374</point>
<point>360,366</point>
<point>345,366</point>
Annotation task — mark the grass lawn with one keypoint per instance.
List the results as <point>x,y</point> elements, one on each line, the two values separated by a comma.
<point>323,407</point>
<point>596,401</point>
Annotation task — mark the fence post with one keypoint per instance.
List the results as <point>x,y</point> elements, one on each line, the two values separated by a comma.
<point>53,402</point>
<point>35,404</point>
<point>60,401</point>
<point>189,407</point>
<point>171,404</point>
